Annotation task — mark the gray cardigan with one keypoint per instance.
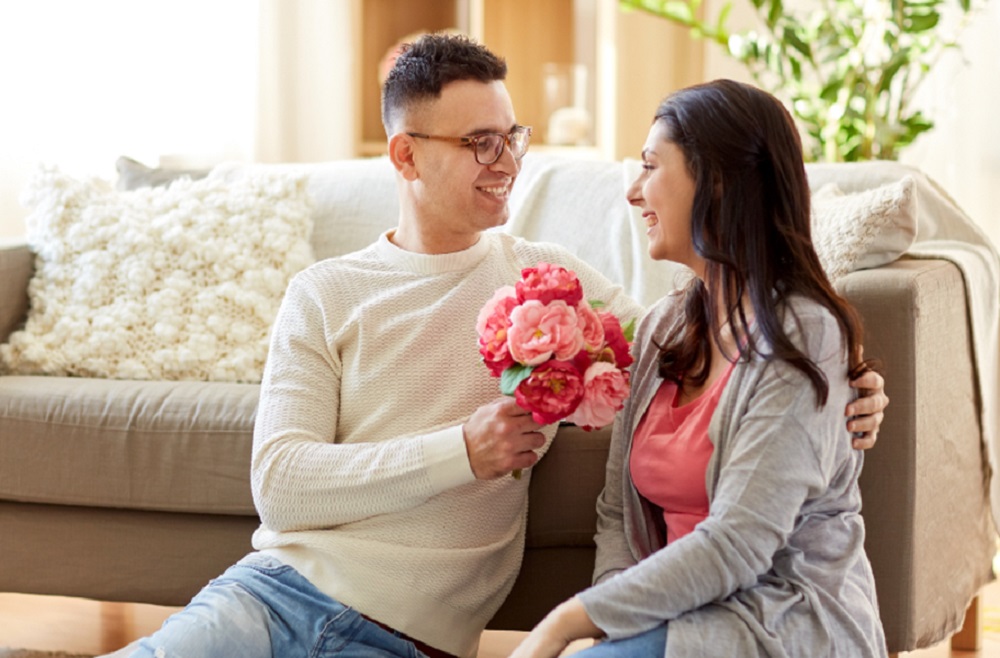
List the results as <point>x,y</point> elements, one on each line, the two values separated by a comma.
<point>778,568</point>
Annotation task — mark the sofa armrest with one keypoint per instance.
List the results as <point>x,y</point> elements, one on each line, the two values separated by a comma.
<point>17,264</point>
<point>924,485</point>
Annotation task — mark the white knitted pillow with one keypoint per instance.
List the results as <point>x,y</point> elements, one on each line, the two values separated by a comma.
<point>175,283</point>
<point>865,229</point>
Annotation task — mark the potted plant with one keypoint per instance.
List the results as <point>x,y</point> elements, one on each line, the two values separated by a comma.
<point>848,68</point>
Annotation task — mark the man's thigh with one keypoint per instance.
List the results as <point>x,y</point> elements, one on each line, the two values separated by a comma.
<point>261,608</point>
<point>223,620</point>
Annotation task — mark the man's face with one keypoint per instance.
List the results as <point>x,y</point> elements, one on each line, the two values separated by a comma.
<point>456,197</point>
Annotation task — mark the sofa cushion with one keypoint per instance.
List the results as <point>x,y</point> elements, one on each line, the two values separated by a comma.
<point>170,446</point>
<point>169,283</point>
<point>865,229</point>
<point>354,201</point>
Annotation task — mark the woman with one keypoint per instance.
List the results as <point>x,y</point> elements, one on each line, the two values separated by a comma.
<point>730,521</point>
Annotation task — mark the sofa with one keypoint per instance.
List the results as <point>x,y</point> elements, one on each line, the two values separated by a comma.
<point>127,489</point>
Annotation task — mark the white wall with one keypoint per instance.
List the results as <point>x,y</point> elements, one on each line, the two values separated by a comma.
<point>86,81</point>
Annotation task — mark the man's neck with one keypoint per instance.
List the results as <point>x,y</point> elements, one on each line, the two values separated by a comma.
<point>423,243</point>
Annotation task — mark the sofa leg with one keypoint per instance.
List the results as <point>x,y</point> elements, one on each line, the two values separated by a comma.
<point>970,636</point>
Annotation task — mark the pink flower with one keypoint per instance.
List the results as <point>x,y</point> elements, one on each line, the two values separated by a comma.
<point>558,356</point>
<point>492,325</point>
<point>539,332</point>
<point>605,388</point>
<point>591,326</point>
<point>551,392</point>
<point>615,339</point>
<point>547,283</point>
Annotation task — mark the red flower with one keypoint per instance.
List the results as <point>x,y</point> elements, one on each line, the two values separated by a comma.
<point>615,340</point>
<point>548,283</point>
<point>552,391</point>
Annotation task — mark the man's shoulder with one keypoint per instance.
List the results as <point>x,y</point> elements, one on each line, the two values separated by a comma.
<point>340,275</point>
<point>356,261</point>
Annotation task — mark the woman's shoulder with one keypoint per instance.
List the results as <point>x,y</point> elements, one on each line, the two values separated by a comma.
<point>814,329</point>
<point>805,316</point>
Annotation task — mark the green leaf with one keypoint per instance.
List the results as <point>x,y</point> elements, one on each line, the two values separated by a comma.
<point>629,330</point>
<point>922,22</point>
<point>791,38</point>
<point>596,304</point>
<point>678,11</point>
<point>774,13</point>
<point>512,378</point>
<point>720,22</point>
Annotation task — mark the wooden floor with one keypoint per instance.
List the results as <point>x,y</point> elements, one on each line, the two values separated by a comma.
<point>90,627</point>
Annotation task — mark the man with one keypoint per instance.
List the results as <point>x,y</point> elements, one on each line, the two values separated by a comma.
<point>382,453</point>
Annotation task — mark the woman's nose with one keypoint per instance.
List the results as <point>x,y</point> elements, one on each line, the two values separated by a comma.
<point>634,193</point>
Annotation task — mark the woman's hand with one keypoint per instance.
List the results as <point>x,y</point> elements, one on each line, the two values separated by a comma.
<point>866,412</point>
<point>568,622</point>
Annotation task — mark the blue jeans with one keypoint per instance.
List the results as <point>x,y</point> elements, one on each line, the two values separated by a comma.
<point>651,644</point>
<point>262,608</point>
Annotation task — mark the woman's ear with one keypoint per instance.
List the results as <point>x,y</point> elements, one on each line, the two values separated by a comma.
<point>402,156</point>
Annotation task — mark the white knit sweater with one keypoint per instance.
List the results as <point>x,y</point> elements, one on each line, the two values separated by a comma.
<point>360,473</point>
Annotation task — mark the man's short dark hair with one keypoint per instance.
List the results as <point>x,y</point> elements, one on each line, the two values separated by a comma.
<point>428,64</point>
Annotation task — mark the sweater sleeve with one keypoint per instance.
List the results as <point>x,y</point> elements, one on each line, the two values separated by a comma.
<point>613,552</point>
<point>775,463</point>
<point>301,476</point>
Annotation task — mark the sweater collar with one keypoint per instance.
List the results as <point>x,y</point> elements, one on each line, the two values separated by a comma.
<point>433,263</point>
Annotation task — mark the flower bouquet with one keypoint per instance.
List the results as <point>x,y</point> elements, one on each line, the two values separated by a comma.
<point>560,357</point>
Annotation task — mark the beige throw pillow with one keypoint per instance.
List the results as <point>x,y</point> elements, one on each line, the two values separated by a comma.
<point>175,283</point>
<point>865,229</point>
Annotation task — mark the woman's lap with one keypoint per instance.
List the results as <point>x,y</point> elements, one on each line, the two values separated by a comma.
<point>651,644</point>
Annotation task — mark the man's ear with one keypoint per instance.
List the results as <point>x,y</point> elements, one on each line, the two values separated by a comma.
<point>402,156</point>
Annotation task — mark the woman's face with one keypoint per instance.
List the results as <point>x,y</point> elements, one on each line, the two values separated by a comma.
<point>664,192</point>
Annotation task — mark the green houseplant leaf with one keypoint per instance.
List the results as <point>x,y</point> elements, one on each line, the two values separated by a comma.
<point>848,69</point>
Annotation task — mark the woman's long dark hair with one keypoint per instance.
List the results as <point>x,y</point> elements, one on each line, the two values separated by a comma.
<point>750,221</point>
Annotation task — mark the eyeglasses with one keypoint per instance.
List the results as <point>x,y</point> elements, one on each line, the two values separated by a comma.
<point>488,147</point>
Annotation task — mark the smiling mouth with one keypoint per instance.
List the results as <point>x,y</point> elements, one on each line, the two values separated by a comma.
<point>501,191</point>
<point>651,220</point>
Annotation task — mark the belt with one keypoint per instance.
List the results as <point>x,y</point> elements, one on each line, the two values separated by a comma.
<point>425,649</point>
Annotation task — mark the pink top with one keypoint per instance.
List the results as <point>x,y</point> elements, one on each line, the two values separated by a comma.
<point>670,453</point>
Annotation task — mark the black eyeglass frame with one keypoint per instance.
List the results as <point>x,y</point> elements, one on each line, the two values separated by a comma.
<point>473,141</point>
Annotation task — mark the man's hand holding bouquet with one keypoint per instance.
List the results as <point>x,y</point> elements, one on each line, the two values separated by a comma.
<point>563,359</point>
